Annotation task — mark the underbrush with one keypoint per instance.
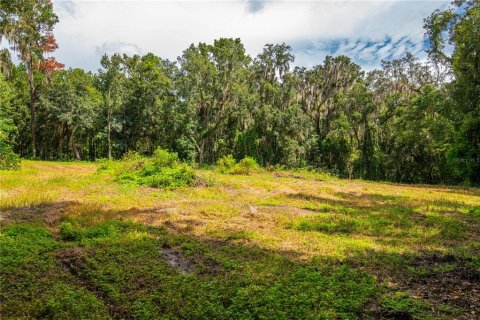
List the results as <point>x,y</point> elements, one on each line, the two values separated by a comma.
<point>163,170</point>
<point>229,165</point>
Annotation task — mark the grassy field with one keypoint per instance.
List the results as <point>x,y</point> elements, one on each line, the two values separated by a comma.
<point>75,244</point>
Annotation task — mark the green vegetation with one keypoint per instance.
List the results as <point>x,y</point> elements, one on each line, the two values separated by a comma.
<point>229,165</point>
<point>145,233</point>
<point>92,276</point>
<point>406,121</point>
<point>78,242</point>
<point>8,159</point>
<point>163,170</point>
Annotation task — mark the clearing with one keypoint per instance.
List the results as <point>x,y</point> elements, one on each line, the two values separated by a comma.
<point>272,245</point>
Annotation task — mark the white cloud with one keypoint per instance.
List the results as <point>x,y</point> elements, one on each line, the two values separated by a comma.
<point>166,28</point>
<point>110,48</point>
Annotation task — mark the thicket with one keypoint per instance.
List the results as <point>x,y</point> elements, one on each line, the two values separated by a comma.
<point>229,165</point>
<point>163,170</point>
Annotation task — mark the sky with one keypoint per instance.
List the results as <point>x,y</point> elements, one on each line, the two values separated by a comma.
<point>366,31</point>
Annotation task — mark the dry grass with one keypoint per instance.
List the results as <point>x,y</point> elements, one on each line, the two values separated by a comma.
<point>297,213</point>
<point>404,251</point>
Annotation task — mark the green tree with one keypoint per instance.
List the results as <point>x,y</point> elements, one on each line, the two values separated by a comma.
<point>73,104</point>
<point>27,25</point>
<point>282,131</point>
<point>111,83</point>
<point>211,87</point>
<point>150,106</point>
<point>459,25</point>
<point>8,159</point>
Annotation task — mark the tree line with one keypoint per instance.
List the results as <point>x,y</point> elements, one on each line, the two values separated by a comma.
<point>407,121</point>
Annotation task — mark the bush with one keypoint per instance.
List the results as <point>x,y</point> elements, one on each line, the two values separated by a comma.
<point>247,165</point>
<point>163,170</point>
<point>177,176</point>
<point>228,165</point>
<point>69,233</point>
<point>8,159</point>
<point>163,158</point>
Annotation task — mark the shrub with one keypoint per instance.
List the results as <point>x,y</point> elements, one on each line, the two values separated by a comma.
<point>228,165</point>
<point>163,170</point>
<point>247,165</point>
<point>177,176</point>
<point>163,158</point>
<point>69,233</point>
<point>8,159</point>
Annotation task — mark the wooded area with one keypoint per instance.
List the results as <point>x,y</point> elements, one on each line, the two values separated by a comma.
<point>408,121</point>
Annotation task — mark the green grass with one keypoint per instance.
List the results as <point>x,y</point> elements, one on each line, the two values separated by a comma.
<point>119,271</point>
<point>75,243</point>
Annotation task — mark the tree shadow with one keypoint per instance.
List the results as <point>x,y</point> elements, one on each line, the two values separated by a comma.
<point>390,220</point>
<point>472,191</point>
<point>126,267</point>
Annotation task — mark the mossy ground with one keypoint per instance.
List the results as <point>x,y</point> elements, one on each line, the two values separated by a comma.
<point>75,244</point>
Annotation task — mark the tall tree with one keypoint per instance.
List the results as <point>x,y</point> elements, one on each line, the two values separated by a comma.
<point>212,84</point>
<point>459,26</point>
<point>111,83</point>
<point>149,108</point>
<point>282,130</point>
<point>27,25</point>
<point>8,159</point>
<point>73,105</point>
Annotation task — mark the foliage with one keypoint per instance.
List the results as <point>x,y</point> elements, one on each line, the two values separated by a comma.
<point>28,27</point>
<point>105,266</point>
<point>226,164</point>
<point>406,121</point>
<point>8,159</point>
<point>73,105</point>
<point>247,165</point>
<point>459,25</point>
<point>229,165</point>
<point>163,170</point>
<point>402,303</point>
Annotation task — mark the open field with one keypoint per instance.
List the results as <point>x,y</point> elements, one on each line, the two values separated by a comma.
<point>75,244</point>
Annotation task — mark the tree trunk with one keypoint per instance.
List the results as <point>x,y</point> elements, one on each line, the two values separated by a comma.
<point>109,140</point>
<point>32,109</point>
<point>33,127</point>
<point>74,147</point>
<point>109,125</point>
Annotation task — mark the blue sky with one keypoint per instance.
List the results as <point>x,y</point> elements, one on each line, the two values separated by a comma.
<point>366,31</point>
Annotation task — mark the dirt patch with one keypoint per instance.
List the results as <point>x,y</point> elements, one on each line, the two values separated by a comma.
<point>196,262</point>
<point>177,260</point>
<point>288,175</point>
<point>49,213</point>
<point>458,286</point>
<point>294,176</point>
<point>437,278</point>
<point>199,182</point>
<point>183,225</point>
<point>74,261</point>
